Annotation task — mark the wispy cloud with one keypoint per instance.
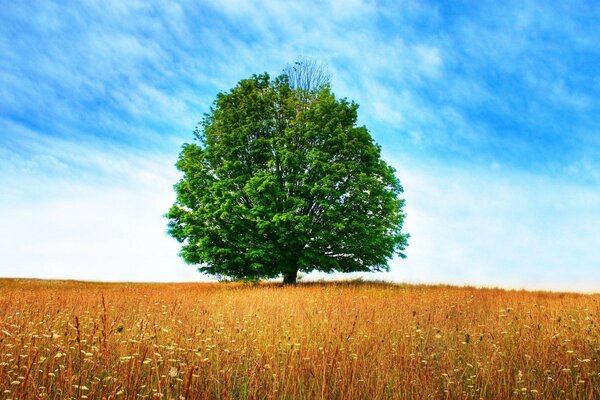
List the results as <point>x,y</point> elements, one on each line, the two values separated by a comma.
<point>499,227</point>
<point>95,215</point>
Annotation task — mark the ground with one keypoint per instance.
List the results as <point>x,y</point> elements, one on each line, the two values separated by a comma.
<point>62,339</point>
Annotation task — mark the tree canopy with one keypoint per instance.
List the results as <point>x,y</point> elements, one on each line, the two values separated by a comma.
<point>280,179</point>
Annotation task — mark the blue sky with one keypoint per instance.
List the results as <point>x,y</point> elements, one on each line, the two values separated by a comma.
<point>489,111</point>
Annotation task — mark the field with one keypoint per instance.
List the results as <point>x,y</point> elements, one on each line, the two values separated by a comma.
<point>77,340</point>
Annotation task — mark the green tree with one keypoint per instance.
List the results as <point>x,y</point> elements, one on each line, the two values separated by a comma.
<point>281,180</point>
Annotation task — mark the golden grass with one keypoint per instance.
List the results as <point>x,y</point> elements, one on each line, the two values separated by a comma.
<point>329,341</point>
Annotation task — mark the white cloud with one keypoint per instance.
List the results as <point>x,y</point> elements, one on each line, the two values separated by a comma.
<point>102,229</point>
<point>430,58</point>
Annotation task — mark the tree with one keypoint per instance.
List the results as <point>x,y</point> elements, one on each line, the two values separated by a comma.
<point>280,180</point>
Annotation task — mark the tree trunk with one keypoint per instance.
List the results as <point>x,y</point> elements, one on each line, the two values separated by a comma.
<point>289,278</point>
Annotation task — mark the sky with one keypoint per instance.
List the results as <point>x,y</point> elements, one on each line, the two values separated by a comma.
<point>487,110</point>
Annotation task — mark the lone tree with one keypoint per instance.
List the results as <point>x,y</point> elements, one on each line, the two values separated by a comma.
<point>281,180</point>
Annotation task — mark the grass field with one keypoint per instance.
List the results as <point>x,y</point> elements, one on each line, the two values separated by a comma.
<point>63,340</point>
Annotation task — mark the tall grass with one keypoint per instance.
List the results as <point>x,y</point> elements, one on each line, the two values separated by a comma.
<point>320,341</point>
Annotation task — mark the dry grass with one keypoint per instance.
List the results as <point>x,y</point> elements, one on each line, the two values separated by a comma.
<point>127,341</point>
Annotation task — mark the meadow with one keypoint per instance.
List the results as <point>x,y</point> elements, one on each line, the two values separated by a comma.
<point>63,339</point>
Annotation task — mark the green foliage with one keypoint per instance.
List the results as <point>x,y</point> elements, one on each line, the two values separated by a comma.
<point>281,180</point>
